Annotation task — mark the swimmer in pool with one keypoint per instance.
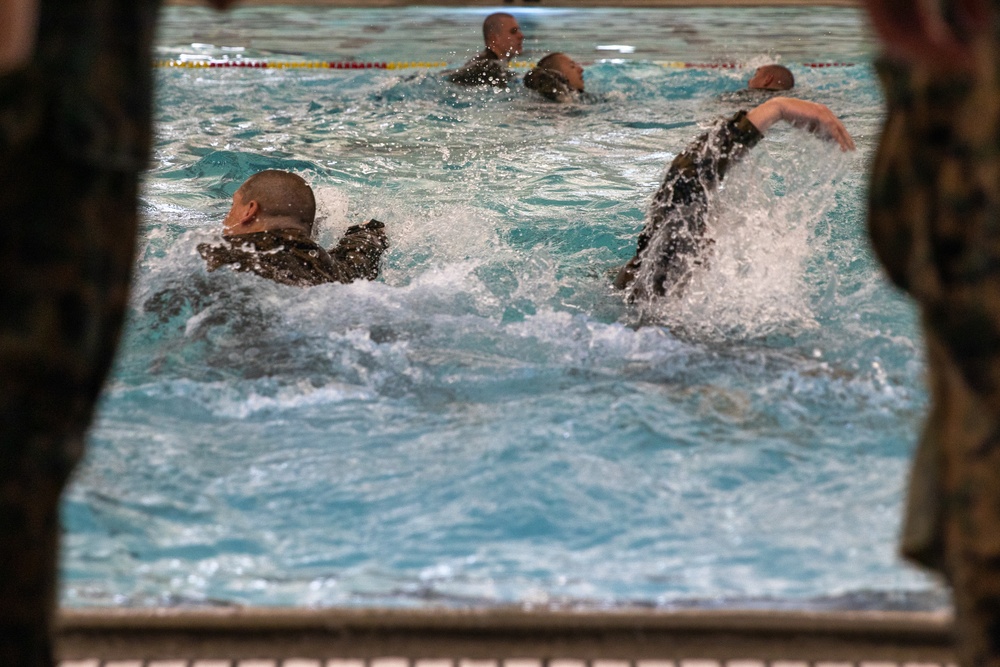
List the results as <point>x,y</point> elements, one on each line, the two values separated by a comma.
<point>268,231</point>
<point>765,82</point>
<point>771,77</point>
<point>674,243</point>
<point>556,77</point>
<point>503,38</point>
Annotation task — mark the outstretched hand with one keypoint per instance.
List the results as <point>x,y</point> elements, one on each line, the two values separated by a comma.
<point>811,116</point>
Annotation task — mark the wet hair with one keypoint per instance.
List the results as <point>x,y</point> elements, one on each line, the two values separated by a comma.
<point>551,61</point>
<point>548,81</point>
<point>781,75</point>
<point>281,193</point>
<point>494,24</point>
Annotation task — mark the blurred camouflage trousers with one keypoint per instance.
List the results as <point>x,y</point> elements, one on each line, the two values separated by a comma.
<point>74,134</point>
<point>935,224</point>
<point>67,233</point>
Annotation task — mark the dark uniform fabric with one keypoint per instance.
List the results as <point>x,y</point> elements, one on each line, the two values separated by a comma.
<point>483,69</point>
<point>673,242</point>
<point>549,84</point>
<point>291,258</point>
<point>934,220</point>
<point>74,133</point>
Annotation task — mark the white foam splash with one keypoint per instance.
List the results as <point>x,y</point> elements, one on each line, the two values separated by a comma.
<point>764,221</point>
<point>332,208</point>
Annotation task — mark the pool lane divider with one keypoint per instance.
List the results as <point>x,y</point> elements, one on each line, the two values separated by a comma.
<point>390,65</point>
<point>683,65</point>
<point>312,64</point>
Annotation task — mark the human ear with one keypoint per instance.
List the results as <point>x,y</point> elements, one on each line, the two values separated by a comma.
<point>252,208</point>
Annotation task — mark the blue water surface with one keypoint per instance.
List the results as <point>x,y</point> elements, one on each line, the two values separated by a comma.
<point>489,422</point>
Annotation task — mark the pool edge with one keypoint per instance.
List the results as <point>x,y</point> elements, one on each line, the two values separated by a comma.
<point>504,633</point>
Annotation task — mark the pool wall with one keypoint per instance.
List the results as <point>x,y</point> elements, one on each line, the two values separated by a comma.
<point>505,637</point>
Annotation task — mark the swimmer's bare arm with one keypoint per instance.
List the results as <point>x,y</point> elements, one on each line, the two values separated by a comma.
<point>809,115</point>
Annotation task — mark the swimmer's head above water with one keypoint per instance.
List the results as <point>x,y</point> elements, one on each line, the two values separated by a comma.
<point>771,77</point>
<point>271,200</point>
<point>503,35</point>
<point>556,76</point>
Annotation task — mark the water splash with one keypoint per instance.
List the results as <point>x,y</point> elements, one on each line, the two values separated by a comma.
<point>765,221</point>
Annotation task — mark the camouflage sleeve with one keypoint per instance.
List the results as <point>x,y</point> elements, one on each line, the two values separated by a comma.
<point>698,170</point>
<point>549,84</point>
<point>481,72</point>
<point>359,252</point>
<point>934,221</point>
<point>933,205</point>
<point>677,212</point>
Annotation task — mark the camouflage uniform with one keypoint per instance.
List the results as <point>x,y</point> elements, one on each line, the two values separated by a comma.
<point>550,84</point>
<point>291,258</point>
<point>673,242</point>
<point>74,134</point>
<point>934,220</point>
<point>483,69</point>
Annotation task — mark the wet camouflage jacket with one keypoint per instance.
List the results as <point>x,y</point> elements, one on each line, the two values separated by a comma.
<point>291,258</point>
<point>549,84</point>
<point>673,241</point>
<point>484,69</point>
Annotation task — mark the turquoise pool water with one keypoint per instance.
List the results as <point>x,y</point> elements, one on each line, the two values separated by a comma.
<point>489,423</point>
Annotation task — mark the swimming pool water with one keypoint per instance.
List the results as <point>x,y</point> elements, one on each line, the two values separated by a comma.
<point>489,423</point>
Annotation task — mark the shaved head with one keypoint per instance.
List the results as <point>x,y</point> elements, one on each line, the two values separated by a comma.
<point>495,23</point>
<point>502,34</point>
<point>772,77</point>
<point>280,194</point>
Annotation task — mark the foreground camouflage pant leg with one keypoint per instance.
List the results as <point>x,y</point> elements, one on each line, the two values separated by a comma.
<point>935,225</point>
<point>66,247</point>
<point>967,459</point>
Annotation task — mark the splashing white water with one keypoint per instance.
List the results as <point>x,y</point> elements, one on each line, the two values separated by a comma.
<point>764,222</point>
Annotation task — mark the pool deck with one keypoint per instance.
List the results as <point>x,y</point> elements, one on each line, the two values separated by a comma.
<point>506,637</point>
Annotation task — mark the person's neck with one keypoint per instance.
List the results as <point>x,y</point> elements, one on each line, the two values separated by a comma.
<point>275,224</point>
<point>491,51</point>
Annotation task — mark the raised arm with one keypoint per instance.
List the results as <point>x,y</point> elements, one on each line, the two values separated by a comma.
<point>811,116</point>
<point>357,255</point>
<point>673,240</point>
<point>676,219</point>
